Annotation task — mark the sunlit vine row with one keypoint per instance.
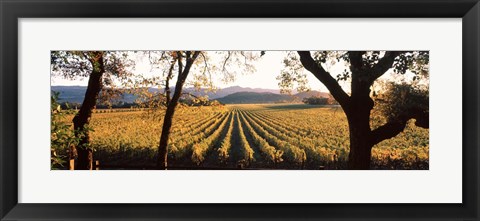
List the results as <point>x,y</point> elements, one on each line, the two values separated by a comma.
<point>247,151</point>
<point>270,153</point>
<point>200,149</point>
<point>293,154</point>
<point>226,142</point>
<point>179,146</point>
<point>313,152</point>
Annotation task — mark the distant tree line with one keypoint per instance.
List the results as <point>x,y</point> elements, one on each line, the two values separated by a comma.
<point>195,101</point>
<point>314,100</point>
<point>73,106</point>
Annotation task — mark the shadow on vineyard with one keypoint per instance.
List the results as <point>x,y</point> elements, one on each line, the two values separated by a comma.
<point>250,136</point>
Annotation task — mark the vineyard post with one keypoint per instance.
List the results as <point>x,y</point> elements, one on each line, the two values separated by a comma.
<point>71,164</point>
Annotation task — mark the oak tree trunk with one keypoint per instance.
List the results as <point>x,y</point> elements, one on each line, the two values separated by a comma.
<point>360,147</point>
<point>82,118</point>
<point>172,104</point>
<point>167,125</point>
<point>358,105</point>
<point>162,158</point>
<point>358,116</point>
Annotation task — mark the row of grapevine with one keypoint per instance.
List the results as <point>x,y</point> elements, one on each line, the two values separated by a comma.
<point>269,152</point>
<point>182,128</point>
<point>327,122</point>
<point>184,145</point>
<point>253,136</point>
<point>200,149</point>
<point>223,151</point>
<point>299,130</point>
<point>319,135</point>
<point>246,150</point>
<point>293,154</point>
<point>315,153</point>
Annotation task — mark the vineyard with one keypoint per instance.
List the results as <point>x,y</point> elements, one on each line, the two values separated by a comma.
<point>261,136</point>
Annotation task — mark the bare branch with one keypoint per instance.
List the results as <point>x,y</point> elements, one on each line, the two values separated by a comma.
<point>167,81</point>
<point>182,76</point>
<point>226,61</point>
<point>180,64</point>
<point>194,56</point>
<point>319,72</point>
<point>183,72</point>
<point>245,60</point>
<point>205,69</point>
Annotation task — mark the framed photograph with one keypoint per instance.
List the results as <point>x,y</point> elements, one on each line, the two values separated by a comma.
<point>256,110</point>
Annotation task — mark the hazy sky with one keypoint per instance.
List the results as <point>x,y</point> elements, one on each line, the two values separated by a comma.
<point>268,67</point>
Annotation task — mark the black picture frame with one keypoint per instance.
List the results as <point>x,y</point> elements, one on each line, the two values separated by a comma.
<point>11,11</point>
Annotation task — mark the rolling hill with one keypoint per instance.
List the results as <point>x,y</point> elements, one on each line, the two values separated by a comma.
<point>229,95</point>
<point>303,95</point>
<point>256,98</point>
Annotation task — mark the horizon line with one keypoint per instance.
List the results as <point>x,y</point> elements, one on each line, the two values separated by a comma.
<point>174,86</point>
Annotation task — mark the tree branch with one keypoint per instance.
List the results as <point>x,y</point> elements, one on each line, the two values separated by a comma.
<point>194,57</point>
<point>387,131</point>
<point>226,61</point>
<point>206,68</point>
<point>393,128</point>
<point>167,81</point>
<point>356,59</point>
<point>319,72</point>
<point>357,68</point>
<point>421,117</point>
<point>182,76</point>
<point>180,65</point>
<point>383,64</point>
<point>189,62</point>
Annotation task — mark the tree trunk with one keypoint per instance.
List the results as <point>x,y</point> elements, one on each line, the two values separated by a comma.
<point>167,120</point>
<point>167,125</point>
<point>360,133</point>
<point>82,118</point>
<point>167,83</point>
<point>357,107</point>
<point>360,148</point>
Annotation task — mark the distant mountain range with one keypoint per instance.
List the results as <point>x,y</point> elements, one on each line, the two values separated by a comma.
<point>267,97</point>
<point>229,95</point>
<point>256,98</point>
